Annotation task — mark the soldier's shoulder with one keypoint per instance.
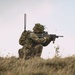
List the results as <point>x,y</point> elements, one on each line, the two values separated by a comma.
<point>26,32</point>
<point>32,34</point>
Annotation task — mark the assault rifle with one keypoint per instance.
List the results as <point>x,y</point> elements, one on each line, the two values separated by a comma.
<point>51,37</point>
<point>54,36</point>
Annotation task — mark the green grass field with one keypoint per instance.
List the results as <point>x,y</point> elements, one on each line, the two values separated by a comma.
<point>37,66</point>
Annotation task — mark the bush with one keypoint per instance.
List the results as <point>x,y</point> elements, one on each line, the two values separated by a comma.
<point>37,66</point>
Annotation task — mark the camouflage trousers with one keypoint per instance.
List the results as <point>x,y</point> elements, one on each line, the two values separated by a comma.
<point>28,53</point>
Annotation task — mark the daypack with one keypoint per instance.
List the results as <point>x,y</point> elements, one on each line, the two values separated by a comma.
<point>23,37</point>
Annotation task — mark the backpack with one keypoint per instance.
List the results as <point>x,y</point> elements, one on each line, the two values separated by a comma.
<point>23,37</point>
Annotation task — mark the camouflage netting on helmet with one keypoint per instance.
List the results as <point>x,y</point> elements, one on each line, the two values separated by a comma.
<point>39,27</point>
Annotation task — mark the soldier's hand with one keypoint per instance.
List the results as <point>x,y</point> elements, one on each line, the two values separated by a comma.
<point>45,39</point>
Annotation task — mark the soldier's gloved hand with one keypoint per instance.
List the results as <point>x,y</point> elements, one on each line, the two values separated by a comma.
<point>45,39</point>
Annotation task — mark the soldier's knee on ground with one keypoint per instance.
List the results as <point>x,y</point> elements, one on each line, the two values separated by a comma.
<point>38,50</point>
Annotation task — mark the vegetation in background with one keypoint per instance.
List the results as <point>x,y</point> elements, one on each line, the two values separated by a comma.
<point>57,51</point>
<point>37,66</point>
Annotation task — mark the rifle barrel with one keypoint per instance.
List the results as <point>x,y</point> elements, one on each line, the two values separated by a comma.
<point>61,36</point>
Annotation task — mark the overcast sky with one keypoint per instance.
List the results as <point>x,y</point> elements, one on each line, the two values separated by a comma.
<point>56,15</point>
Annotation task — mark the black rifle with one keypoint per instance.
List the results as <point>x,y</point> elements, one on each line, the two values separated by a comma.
<point>51,37</point>
<point>54,36</point>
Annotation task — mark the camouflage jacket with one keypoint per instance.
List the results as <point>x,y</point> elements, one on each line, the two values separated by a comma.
<point>30,39</point>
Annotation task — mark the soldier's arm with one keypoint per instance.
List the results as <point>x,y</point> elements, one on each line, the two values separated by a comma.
<point>35,38</point>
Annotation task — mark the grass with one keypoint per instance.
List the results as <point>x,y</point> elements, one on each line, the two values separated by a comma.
<point>37,66</point>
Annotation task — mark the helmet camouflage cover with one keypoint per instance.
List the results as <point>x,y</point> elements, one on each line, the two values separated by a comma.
<point>39,27</point>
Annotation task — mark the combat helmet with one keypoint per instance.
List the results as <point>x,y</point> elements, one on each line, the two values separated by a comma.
<point>38,27</point>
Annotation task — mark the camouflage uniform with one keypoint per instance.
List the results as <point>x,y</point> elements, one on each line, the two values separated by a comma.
<point>32,44</point>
